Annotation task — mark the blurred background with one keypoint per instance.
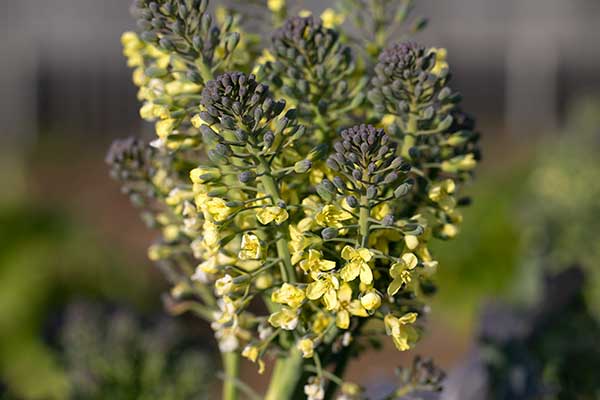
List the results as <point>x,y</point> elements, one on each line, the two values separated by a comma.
<point>72,247</point>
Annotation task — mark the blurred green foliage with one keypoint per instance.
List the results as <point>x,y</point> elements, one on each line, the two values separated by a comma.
<point>116,355</point>
<point>46,258</point>
<point>564,214</point>
<point>528,218</point>
<point>482,261</point>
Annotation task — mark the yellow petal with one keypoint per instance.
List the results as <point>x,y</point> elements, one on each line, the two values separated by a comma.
<point>370,301</point>
<point>316,290</point>
<point>409,318</point>
<point>366,275</point>
<point>165,127</point>
<point>345,293</point>
<point>394,286</point>
<point>326,265</point>
<point>410,260</point>
<point>350,272</point>
<point>342,319</point>
<point>365,254</point>
<point>348,252</point>
<point>412,242</point>
<point>357,309</point>
<point>330,299</point>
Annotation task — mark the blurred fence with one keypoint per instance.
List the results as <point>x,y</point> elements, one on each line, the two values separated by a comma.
<point>519,62</point>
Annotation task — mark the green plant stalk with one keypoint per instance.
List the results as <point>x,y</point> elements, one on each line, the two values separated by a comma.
<point>288,370</point>
<point>411,131</point>
<point>282,242</point>
<point>231,365</point>
<point>285,377</point>
<point>363,221</point>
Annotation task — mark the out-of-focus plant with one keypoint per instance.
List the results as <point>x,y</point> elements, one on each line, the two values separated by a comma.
<point>530,353</point>
<point>46,257</point>
<point>117,356</point>
<point>49,257</point>
<point>422,380</point>
<point>380,21</point>
<point>484,260</point>
<point>283,186</point>
<point>564,217</point>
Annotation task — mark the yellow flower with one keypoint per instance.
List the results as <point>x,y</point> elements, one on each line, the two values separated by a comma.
<point>131,40</point>
<point>401,331</point>
<point>460,163</point>
<point>178,196</point>
<point>165,127</point>
<point>217,209</point>
<point>321,323</point>
<point>224,285</point>
<point>204,174</point>
<point>250,248</point>
<point>304,13</point>
<point>412,242</point>
<point>197,121</point>
<point>226,312</point>
<point>171,233</point>
<point>314,264</point>
<point>371,300</point>
<point>441,193</point>
<point>348,307</point>
<point>440,60</point>
<point>251,353</point>
<point>331,19</point>
<point>450,230</point>
<point>269,214</point>
<point>325,286</point>
<point>350,389</point>
<point>306,346</point>
<point>263,281</point>
<point>357,265</point>
<point>265,57</point>
<point>332,216</point>
<point>380,211</point>
<point>388,120</point>
<point>210,237</point>
<point>401,273</point>
<point>289,295</point>
<point>381,239</point>
<point>140,79</point>
<point>316,174</point>
<point>276,5</point>
<point>299,242</point>
<point>285,319</point>
<point>176,88</point>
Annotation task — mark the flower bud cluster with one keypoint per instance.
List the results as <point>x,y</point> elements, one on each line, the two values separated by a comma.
<point>422,112</point>
<point>130,162</point>
<point>422,379</point>
<point>411,84</point>
<point>186,29</point>
<point>311,67</point>
<point>367,162</point>
<point>177,52</point>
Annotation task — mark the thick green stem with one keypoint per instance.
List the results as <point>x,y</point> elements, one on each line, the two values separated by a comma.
<point>231,364</point>
<point>363,220</point>
<point>285,376</point>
